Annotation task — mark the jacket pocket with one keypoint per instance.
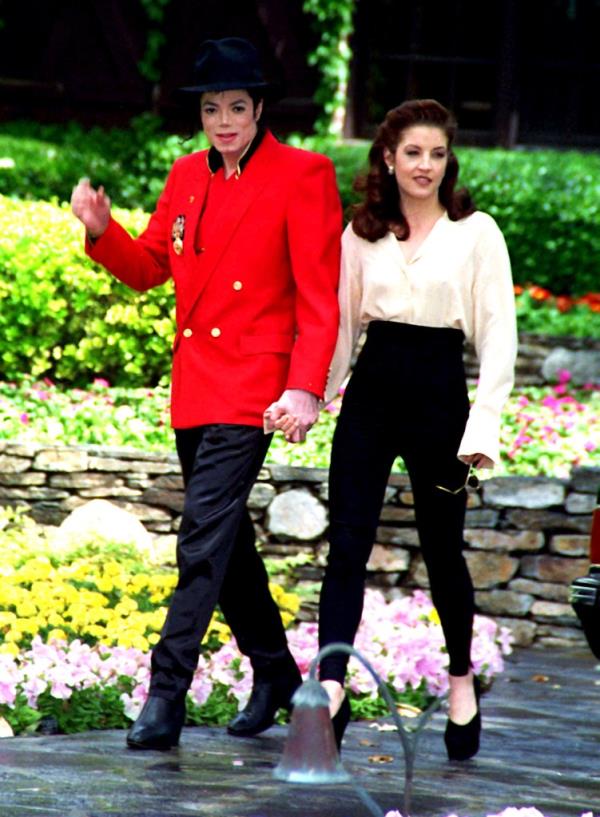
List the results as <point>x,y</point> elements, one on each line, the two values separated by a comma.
<point>260,344</point>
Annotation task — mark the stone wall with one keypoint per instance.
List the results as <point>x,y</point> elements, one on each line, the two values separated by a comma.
<point>527,536</point>
<point>542,357</point>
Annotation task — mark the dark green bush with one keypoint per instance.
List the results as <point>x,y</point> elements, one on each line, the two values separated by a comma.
<point>547,204</point>
<point>43,162</point>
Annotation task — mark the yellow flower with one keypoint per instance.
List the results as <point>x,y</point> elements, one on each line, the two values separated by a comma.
<point>125,606</point>
<point>36,569</point>
<point>27,608</point>
<point>28,625</point>
<point>96,631</point>
<point>138,583</point>
<point>104,584</point>
<point>57,635</point>
<point>112,568</point>
<point>289,601</point>
<point>433,616</point>
<point>55,620</point>
<point>9,649</point>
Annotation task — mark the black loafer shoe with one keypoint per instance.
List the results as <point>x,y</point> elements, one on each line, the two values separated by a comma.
<point>266,698</point>
<point>158,725</point>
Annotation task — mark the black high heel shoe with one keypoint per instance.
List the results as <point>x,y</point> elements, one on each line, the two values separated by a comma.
<point>462,740</point>
<point>340,721</point>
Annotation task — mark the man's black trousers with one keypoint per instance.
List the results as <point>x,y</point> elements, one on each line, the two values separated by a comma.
<point>217,558</point>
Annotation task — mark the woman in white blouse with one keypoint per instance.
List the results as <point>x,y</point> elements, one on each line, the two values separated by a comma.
<point>421,270</point>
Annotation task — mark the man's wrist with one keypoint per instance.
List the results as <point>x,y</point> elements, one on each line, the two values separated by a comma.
<point>92,237</point>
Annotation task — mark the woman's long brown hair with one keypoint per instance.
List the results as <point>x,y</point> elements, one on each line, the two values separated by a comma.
<point>381,206</point>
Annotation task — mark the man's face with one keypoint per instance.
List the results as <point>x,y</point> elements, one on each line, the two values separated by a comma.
<point>229,120</point>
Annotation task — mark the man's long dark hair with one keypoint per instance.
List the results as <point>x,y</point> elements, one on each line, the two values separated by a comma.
<point>381,206</point>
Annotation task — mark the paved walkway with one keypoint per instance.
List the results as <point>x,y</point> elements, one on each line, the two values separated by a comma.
<point>540,747</point>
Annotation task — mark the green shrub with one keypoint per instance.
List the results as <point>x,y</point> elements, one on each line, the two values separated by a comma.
<point>63,316</point>
<point>547,204</point>
<point>44,162</point>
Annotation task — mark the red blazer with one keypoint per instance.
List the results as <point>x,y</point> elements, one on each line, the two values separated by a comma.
<point>257,310</point>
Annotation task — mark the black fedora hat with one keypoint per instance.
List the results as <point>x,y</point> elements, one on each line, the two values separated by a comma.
<point>227,64</point>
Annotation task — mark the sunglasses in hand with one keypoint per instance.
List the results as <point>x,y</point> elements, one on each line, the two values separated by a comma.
<point>471,481</point>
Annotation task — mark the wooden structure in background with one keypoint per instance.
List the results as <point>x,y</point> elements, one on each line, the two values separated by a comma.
<point>514,72</point>
<point>67,59</point>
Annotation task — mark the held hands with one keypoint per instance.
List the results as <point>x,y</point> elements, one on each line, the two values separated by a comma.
<point>92,208</point>
<point>294,414</point>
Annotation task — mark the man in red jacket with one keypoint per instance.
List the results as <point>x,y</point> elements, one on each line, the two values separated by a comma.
<point>250,231</point>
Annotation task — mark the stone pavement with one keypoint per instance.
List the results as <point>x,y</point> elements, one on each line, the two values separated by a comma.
<point>540,747</point>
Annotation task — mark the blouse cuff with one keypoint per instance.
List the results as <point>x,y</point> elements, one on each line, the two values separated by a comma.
<point>482,436</point>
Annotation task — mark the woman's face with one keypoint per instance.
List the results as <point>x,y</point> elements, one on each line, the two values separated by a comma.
<point>419,161</point>
<point>229,121</point>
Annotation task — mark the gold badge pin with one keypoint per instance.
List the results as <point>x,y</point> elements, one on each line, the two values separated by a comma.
<point>177,234</point>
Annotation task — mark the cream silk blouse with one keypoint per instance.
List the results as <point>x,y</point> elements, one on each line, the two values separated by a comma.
<point>459,277</point>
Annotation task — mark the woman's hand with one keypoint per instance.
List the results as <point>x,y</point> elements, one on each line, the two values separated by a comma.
<point>92,208</point>
<point>477,460</point>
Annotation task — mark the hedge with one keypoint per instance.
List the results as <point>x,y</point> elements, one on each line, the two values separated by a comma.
<point>546,202</point>
<point>43,162</point>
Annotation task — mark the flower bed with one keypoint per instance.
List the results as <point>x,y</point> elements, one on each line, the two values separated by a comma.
<point>75,635</point>
<point>545,430</point>
<point>540,311</point>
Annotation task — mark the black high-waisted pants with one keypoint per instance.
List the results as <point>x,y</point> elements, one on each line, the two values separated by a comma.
<point>407,397</point>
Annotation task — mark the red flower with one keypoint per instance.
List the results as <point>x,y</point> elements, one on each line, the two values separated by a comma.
<point>592,300</point>
<point>539,293</point>
<point>564,303</point>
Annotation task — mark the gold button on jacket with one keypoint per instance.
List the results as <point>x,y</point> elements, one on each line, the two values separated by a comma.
<point>215,332</point>
<point>187,333</point>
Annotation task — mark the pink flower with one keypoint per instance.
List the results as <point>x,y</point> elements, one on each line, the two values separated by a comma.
<point>564,375</point>
<point>24,418</point>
